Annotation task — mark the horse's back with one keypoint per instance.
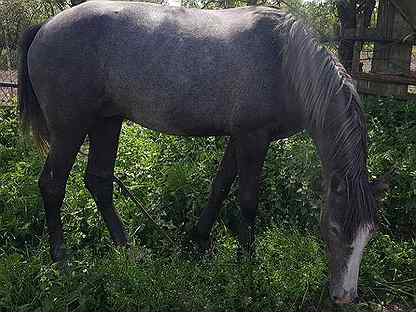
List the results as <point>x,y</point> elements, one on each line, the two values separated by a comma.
<point>167,68</point>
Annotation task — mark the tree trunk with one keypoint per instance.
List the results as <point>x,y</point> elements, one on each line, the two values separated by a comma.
<point>347,18</point>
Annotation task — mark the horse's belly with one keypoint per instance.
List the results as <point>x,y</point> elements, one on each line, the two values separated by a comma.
<point>178,119</point>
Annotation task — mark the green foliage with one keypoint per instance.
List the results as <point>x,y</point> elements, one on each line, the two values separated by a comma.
<point>16,16</point>
<point>289,275</point>
<point>143,281</point>
<point>322,16</point>
<point>21,219</point>
<point>171,178</point>
<point>392,132</point>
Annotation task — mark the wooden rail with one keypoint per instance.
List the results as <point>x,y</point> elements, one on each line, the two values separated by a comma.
<point>366,91</point>
<point>386,78</point>
<point>369,35</point>
<point>8,85</point>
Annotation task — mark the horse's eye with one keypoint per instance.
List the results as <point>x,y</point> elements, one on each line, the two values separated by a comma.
<point>334,230</point>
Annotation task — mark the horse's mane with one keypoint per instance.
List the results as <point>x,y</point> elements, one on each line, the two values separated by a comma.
<point>316,77</point>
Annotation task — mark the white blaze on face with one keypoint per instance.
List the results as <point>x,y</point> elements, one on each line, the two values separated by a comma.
<point>353,265</point>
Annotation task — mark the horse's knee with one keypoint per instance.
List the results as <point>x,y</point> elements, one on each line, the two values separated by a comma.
<point>50,188</point>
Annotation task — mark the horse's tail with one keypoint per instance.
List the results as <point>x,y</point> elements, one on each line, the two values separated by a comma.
<point>32,120</point>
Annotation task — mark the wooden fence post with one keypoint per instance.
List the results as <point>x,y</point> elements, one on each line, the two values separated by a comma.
<point>390,58</point>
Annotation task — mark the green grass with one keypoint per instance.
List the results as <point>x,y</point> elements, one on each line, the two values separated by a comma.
<point>171,177</point>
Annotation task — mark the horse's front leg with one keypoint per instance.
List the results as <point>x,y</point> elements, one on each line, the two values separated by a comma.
<point>220,188</point>
<point>251,150</point>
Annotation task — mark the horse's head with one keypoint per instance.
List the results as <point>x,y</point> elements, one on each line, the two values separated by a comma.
<point>346,234</point>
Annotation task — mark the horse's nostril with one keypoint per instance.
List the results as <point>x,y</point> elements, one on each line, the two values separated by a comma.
<point>334,298</point>
<point>356,300</point>
<point>343,299</point>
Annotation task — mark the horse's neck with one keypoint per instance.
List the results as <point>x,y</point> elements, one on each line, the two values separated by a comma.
<point>339,142</point>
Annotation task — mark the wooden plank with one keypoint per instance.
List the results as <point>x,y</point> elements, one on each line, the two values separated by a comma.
<point>368,35</point>
<point>372,34</point>
<point>365,38</point>
<point>385,78</point>
<point>366,32</point>
<point>368,91</point>
<point>8,106</point>
<point>8,85</point>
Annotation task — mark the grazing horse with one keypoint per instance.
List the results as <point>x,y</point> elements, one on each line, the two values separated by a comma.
<point>254,74</point>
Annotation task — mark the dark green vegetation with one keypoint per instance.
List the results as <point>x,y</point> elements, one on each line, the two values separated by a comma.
<point>171,177</point>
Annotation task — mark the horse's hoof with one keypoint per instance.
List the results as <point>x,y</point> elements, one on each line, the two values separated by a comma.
<point>244,254</point>
<point>196,245</point>
<point>60,259</point>
<point>58,254</point>
<point>203,245</point>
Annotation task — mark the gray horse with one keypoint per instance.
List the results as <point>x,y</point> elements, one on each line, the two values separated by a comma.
<point>254,74</point>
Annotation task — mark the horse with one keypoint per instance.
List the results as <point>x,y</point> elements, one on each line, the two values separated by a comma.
<point>253,74</point>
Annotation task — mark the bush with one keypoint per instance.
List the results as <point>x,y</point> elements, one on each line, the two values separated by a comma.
<point>392,131</point>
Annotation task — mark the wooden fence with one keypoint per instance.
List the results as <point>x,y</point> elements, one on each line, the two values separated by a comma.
<point>8,86</point>
<point>388,69</point>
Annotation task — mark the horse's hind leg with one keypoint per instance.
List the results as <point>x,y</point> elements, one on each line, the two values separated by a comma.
<point>104,136</point>
<point>52,184</point>
<point>219,190</point>
<point>251,150</point>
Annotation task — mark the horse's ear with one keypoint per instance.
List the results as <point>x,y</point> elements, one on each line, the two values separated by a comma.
<point>338,184</point>
<point>379,188</point>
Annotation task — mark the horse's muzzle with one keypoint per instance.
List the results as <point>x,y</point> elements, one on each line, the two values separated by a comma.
<point>344,297</point>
